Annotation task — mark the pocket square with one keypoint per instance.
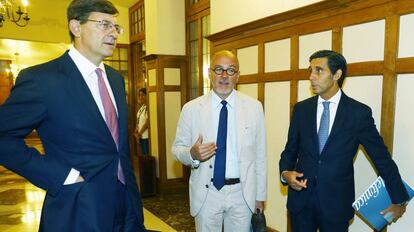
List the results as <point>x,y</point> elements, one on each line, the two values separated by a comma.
<point>259,222</point>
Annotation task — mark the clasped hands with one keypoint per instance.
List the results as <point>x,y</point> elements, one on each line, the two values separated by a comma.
<point>202,151</point>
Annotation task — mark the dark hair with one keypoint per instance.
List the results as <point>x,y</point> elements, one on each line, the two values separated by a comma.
<point>336,61</point>
<point>143,91</point>
<point>81,9</point>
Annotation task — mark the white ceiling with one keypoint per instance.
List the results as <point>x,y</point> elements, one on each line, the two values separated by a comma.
<point>30,53</point>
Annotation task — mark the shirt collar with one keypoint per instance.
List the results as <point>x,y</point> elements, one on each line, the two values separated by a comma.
<point>85,66</point>
<point>334,99</point>
<point>216,100</point>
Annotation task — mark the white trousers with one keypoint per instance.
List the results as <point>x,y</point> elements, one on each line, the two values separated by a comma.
<point>228,206</point>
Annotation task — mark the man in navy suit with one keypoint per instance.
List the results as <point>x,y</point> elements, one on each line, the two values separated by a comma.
<point>78,107</point>
<point>320,172</point>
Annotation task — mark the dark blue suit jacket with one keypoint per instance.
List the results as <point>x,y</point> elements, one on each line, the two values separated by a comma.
<point>54,99</point>
<point>331,173</point>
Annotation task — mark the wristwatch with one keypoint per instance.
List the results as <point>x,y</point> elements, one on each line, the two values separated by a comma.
<point>194,163</point>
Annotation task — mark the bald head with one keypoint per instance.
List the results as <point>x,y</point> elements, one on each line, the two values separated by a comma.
<point>224,53</point>
<point>224,73</point>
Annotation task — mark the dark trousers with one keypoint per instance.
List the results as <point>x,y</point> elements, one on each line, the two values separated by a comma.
<point>144,146</point>
<point>311,218</point>
<point>125,218</point>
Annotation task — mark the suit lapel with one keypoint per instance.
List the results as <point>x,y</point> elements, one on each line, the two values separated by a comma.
<point>206,124</point>
<point>207,127</point>
<point>339,118</point>
<point>240,119</point>
<point>312,111</point>
<point>80,93</point>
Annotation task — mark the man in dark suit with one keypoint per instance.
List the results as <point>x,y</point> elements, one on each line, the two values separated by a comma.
<point>78,107</point>
<point>317,163</point>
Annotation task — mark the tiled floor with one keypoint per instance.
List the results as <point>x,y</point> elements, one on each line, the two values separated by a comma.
<point>21,203</point>
<point>172,206</point>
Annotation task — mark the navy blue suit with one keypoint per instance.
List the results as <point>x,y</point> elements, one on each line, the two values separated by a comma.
<point>331,174</point>
<point>53,98</point>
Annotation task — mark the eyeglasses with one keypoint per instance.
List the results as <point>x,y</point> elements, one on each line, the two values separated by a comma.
<point>229,71</point>
<point>105,25</point>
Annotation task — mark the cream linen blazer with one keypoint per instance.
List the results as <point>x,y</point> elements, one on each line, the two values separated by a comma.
<point>195,120</point>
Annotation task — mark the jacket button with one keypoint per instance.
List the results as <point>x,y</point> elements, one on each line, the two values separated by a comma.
<point>211,166</point>
<point>206,185</point>
<point>320,161</point>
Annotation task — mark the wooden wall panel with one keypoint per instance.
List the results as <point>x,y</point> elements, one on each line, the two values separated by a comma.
<point>386,20</point>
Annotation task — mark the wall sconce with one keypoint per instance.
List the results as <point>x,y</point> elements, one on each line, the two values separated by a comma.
<point>20,16</point>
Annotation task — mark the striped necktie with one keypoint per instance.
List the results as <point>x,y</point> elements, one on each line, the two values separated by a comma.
<point>111,118</point>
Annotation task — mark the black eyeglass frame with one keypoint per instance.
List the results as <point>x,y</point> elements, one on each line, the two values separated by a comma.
<point>220,70</point>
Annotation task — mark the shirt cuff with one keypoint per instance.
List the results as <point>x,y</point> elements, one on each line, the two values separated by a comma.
<point>72,177</point>
<point>282,179</point>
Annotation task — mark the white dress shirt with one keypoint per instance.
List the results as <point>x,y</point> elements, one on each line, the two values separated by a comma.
<point>87,69</point>
<point>232,163</point>
<point>333,106</point>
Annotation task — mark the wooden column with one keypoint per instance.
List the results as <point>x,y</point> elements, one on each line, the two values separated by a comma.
<point>166,76</point>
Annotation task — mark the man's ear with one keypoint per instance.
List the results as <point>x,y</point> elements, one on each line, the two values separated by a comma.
<point>74,27</point>
<point>337,74</point>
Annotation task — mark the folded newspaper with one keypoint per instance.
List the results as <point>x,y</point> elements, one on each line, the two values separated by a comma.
<point>373,201</point>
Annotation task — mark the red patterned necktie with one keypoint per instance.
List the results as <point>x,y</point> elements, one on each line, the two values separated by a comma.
<point>110,116</point>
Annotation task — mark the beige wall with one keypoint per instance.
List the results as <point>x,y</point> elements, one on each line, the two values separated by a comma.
<point>403,142</point>
<point>153,117</point>
<point>361,42</point>
<point>172,114</point>
<point>230,13</point>
<point>248,89</point>
<point>165,27</point>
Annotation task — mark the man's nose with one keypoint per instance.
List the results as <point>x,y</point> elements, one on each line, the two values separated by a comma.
<point>312,76</point>
<point>224,74</point>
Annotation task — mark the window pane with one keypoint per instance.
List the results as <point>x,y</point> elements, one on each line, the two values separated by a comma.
<point>193,30</point>
<point>115,55</point>
<point>124,67</point>
<point>205,23</point>
<point>123,53</point>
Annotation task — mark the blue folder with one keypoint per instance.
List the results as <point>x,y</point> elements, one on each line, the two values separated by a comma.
<point>373,201</point>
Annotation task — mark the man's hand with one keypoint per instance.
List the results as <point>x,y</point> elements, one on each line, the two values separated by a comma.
<point>397,210</point>
<point>293,180</point>
<point>202,152</point>
<point>260,205</point>
<point>137,135</point>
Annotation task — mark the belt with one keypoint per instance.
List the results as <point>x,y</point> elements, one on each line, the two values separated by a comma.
<point>230,181</point>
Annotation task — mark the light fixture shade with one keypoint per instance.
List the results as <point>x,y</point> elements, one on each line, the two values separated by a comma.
<point>15,13</point>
